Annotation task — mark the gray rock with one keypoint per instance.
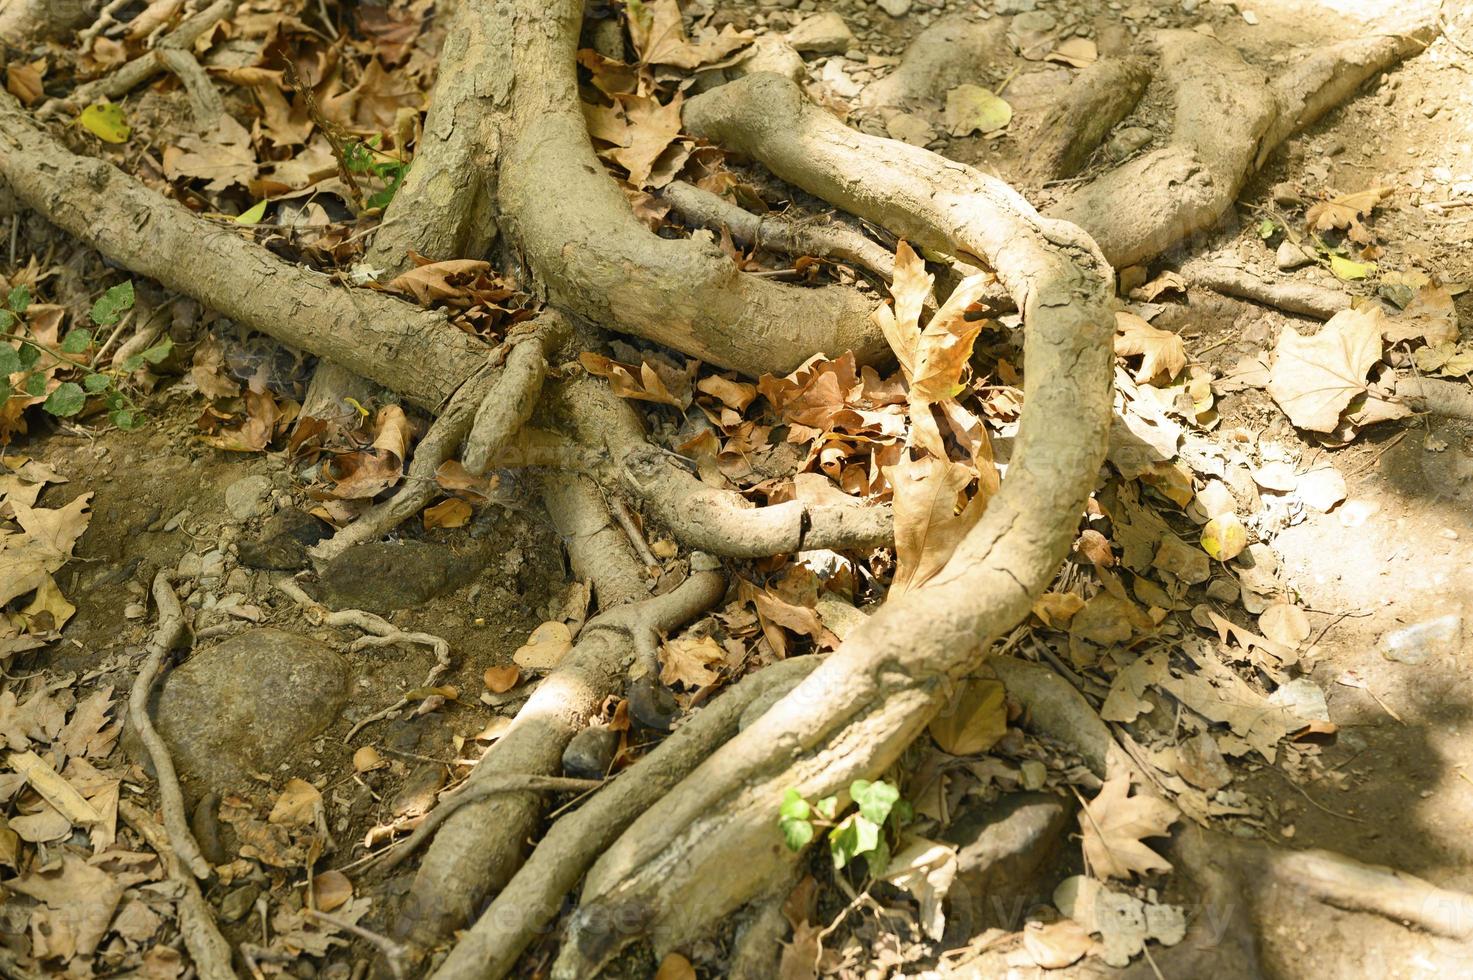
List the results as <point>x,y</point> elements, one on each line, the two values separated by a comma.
<point>283,542</point>
<point>385,576</point>
<point>1126,141</point>
<point>824,33</point>
<point>1001,849</point>
<point>590,753</point>
<point>948,53</point>
<point>895,8</point>
<point>1286,195</point>
<point>248,497</point>
<point>243,706</point>
<point>1009,7</point>
<point>1422,641</point>
<point>1291,256</point>
<point>237,903</point>
<point>910,128</point>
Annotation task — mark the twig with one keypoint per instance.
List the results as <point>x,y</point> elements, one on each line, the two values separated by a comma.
<point>171,800</point>
<point>1314,802</point>
<point>626,520</point>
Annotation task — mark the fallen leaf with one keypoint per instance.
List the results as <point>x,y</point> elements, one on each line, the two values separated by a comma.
<point>1057,608</point>
<point>658,35</point>
<point>106,121</point>
<point>1321,488</point>
<point>928,526</point>
<point>546,647</point>
<point>298,804</point>
<point>1163,352</point>
<point>1114,824</point>
<point>1224,537</point>
<point>81,899</point>
<point>1284,623</point>
<point>974,109</point>
<point>973,720</point>
<point>1344,212</point>
<point>1430,317</point>
<point>367,759</point>
<point>1076,52</point>
<point>452,512</point>
<point>1313,379</point>
<point>332,889</point>
<point>926,869</point>
<point>649,385</point>
<point>692,661</point>
<point>1055,945</point>
<point>499,680</point>
<point>675,967</point>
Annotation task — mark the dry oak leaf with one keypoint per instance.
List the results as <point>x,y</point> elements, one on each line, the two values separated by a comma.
<point>546,647</point>
<point>928,526</point>
<point>1430,316</point>
<point>659,37</point>
<point>974,719</point>
<point>1162,351</point>
<point>1314,378</point>
<point>693,661</point>
<point>1115,823</point>
<point>1345,212</point>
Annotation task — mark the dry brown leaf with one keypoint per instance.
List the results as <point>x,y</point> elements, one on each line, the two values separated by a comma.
<point>332,889</point>
<point>1057,608</point>
<point>453,512</point>
<point>1344,212</point>
<point>367,759</point>
<point>1115,823</point>
<point>659,37</point>
<point>499,680</point>
<point>973,720</point>
<point>223,157</point>
<point>1076,52</point>
<point>298,804</point>
<point>436,281</point>
<point>1284,623</point>
<point>647,386</point>
<point>1314,378</point>
<point>928,526</point>
<point>1163,352</point>
<point>80,900</point>
<point>675,967</point>
<point>1430,317</point>
<point>23,80</point>
<point>692,661</point>
<point>546,647</point>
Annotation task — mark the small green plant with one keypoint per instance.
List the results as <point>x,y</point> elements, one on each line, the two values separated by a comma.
<point>363,158</point>
<point>69,397</point>
<point>862,833</point>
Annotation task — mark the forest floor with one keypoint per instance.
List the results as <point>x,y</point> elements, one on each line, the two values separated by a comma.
<point>1362,533</point>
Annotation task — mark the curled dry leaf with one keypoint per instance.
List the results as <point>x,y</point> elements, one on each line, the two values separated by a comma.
<point>499,680</point>
<point>452,512</point>
<point>1313,379</point>
<point>367,759</point>
<point>1162,352</point>
<point>974,720</point>
<point>1345,212</point>
<point>1284,623</point>
<point>1114,825</point>
<point>332,889</point>
<point>297,805</point>
<point>692,661</point>
<point>928,526</point>
<point>643,383</point>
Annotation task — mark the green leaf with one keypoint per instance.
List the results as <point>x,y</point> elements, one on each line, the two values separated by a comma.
<point>29,355</point>
<point>796,833</point>
<point>5,390</point>
<point>794,807</point>
<point>875,800</point>
<point>67,400</point>
<point>9,361</point>
<point>96,382</point>
<point>112,303</point>
<point>828,807</point>
<point>106,121</point>
<point>19,299</point>
<point>36,385</point>
<point>115,399</point>
<point>1347,269</point>
<point>157,353</point>
<point>1266,228</point>
<point>6,319</point>
<point>253,214</point>
<point>854,836</point>
<point>76,341</point>
<point>875,860</point>
<point>131,364</point>
<point>123,418</point>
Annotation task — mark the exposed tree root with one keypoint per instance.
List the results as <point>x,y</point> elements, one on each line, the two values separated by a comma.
<point>480,847</point>
<point>1098,98</point>
<point>171,801</point>
<point>23,22</point>
<point>411,351</point>
<point>486,412</point>
<point>710,844</point>
<point>1229,118</point>
<point>595,259</point>
<point>1056,709</point>
<point>1303,298</point>
<point>533,898</point>
<point>824,238</point>
<point>1451,399</point>
<point>207,948</point>
<point>702,517</point>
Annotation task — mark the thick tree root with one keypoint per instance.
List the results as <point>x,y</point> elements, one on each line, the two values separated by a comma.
<point>712,844</point>
<point>23,22</point>
<point>534,897</point>
<point>577,232</point>
<point>1098,98</point>
<point>1229,118</point>
<point>1451,399</point>
<point>481,846</point>
<point>487,411</point>
<point>1303,298</point>
<point>408,350</point>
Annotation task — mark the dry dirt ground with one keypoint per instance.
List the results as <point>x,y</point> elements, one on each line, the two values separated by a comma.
<point>1391,784</point>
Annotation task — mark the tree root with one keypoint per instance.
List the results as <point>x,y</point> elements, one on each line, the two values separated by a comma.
<point>208,949</point>
<point>381,633</point>
<point>1055,708</point>
<point>1451,399</point>
<point>1303,298</point>
<point>578,234</point>
<point>705,518</point>
<point>533,898</point>
<point>1229,118</point>
<point>171,801</point>
<point>23,22</point>
<point>711,844</point>
<point>823,238</point>
<point>486,412</point>
<point>1098,98</point>
<point>481,846</point>
<point>408,350</point>
<point>153,63</point>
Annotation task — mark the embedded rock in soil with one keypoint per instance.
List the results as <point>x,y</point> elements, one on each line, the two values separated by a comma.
<point>246,705</point>
<point>1420,642</point>
<point>248,497</point>
<point>1001,851</point>
<point>824,33</point>
<point>384,576</point>
<point>283,542</point>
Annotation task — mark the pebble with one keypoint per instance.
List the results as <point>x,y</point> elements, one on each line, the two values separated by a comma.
<point>1127,141</point>
<point>590,753</point>
<point>910,128</point>
<point>824,33</point>
<point>248,497</point>
<point>895,8</point>
<point>1009,7</point>
<point>1286,195</point>
<point>283,541</point>
<point>1290,256</point>
<point>237,904</point>
<point>1422,641</point>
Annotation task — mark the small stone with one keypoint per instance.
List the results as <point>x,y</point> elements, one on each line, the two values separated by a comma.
<point>1286,195</point>
<point>1223,590</point>
<point>189,566</point>
<point>383,577</point>
<point>1291,256</point>
<point>824,33</point>
<point>1000,850</point>
<point>909,128</point>
<point>238,903</point>
<point>591,752</point>
<point>417,796</point>
<point>283,541</point>
<point>1422,641</point>
<point>1009,7</point>
<point>1132,277</point>
<point>248,497</point>
<point>895,8</point>
<point>1127,141</point>
<point>134,610</point>
<point>651,704</point>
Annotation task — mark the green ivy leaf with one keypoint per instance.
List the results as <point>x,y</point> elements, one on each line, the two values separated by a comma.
<point>828,807</point>
<point>854,836</point>
<point>796,833</point>
<point>76,341</point>
<point>123,418</point>
<point>9,361</point>
<point>157,353</point>
<point>66,400</point>
<point>29,355</point>
<point>5,390</point>
<point>793,806</point>
<point>875,800</point>
<point>1266,228</point>
<point>19,299</point>
<point>112,304</point>
<point>96,382</point>
<point>132,363</point>
<point>36,385</point>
